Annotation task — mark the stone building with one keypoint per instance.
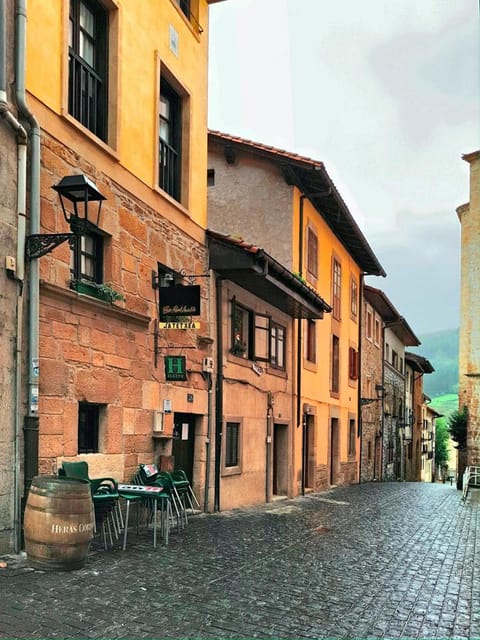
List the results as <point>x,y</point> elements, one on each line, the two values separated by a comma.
<point>122,109</point>
<point>469,357</point>
<point>288,205</point>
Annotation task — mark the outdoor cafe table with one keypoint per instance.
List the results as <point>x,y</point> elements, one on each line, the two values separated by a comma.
<point>134,491</point>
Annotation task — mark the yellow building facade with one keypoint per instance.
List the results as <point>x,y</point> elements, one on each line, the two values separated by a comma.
<point>115,93</point>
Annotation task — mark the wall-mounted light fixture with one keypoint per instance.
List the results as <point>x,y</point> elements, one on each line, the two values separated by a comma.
<point>379,390</point>
<point>79,191</point>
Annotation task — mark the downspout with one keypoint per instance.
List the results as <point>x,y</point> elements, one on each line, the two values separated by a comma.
<point>31,419</point>
<point>218,393</point>
<point>208,443</point>
<point>269,440</point>
<point>359,382</point>
<point>382,404</point>
<point>21,138</point>
<point>300,419</point>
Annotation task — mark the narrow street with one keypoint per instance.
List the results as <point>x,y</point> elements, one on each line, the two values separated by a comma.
<point>376,560</point>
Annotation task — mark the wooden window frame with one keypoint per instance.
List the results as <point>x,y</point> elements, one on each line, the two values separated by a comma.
<point>335,366</point>
<point>352,438</point>
<point>311,342</point>
<point>353,298</point>
<point>336,288</point>
<point>278,341</point>
<point>312,252</point>
<point>232,469</point>
<point>353,363</point>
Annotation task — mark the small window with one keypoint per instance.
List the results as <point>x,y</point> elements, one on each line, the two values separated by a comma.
<point>394,359</point>
<point>88,427</point>
<point>353,298</point>
<point>387,352</point>
<point>312,252</point>
<point>241,330</point>
<point>232,447</point>
<point>352,363</point>
<point>311,341</point>
<point>170,140</point>
<point>337,288</point>
<point>277,346</point>
<point>210,177</point>
<point>369,324</point>
<point>335,371</point>
<point>377,332</point>
<point>87,74</point>
<point>369,450</point>
<point>352,438</point>
<point>86,258</point>
<point>261,339</point>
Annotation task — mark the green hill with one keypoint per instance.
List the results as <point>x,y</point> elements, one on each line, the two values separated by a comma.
<point>441,349</point>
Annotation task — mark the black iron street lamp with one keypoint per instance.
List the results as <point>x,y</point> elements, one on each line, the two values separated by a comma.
<point>379,390</point>
<point>79,191</point>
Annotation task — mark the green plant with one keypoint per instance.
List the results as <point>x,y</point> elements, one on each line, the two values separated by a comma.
<point>109,294</point>
<point>457,427</point>
<point>299,276</point>
<point>102,291</point>
<point>441,442</point>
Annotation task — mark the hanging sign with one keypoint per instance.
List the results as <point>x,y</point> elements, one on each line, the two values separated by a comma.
<point>179,301</point>
<point>175,368</point>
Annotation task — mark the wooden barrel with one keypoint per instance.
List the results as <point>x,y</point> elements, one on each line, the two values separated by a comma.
<point>58,523</point>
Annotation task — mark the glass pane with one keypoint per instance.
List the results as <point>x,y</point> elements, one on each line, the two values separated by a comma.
<point>88,244</point>
<point>164,107</point>
<point>87,51</point>
<point>164,130</point>
<point>87,20</point>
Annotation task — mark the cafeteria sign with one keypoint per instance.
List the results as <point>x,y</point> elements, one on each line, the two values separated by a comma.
<point>179,301</point>
<point>175,367</point>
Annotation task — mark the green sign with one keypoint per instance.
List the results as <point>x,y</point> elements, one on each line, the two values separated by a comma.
<point>175,368</point>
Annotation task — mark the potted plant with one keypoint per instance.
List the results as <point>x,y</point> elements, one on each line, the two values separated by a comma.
<point>101,291</point>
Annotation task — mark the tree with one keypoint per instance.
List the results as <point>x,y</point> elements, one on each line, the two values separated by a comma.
<point>441,443</point>
<point>457,426</point>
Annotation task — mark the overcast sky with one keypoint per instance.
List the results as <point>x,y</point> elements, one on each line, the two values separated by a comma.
<point>386,94</point>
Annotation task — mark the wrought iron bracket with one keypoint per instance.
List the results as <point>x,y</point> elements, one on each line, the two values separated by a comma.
<point>39,244</point>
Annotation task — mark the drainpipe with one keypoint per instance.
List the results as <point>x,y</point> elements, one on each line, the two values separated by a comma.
<point>268,465</point>
<point>208,443</point>
<point>21,138</point>
<point>218,393</point>
<point>300,419</point>
<point>31,419</point>
<point>359,381</point>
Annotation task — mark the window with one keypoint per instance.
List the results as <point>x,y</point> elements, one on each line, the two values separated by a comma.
<point>256,337</point>
<point>311,341</point>
<point>335,372</point>
<point>232,447</point>
<point>312,252</point>
<point>210,177</point>
<point>353,297</point>
<point>337,288</point>
<point>169,161</point>
<point>184,6</point>
<point>394,359</point>
<point>232,444</point>
<point>369,324</point>
<point>387,352</point>
<point>351,438</point>
<point>86,258</point>
<point>88,427</point>
<point>377,332</point>
<point>87,73</point>
<point>277,346</point>
<point>352,363</point>
<point>369,450</point>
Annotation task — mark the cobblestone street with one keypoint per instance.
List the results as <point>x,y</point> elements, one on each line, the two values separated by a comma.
<point>375,560</point>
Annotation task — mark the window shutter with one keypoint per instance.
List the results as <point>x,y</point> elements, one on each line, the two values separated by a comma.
<point>262,337</point>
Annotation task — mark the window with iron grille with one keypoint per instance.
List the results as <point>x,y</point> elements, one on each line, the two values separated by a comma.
<point>88,427</point>
<point>86,258</point>
<point>232,444</point>
<point>87,73</point>
<point>170,140</point>
<point>337,288</point>
<point>335,372</point>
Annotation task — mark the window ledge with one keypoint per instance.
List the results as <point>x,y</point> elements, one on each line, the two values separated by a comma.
<point>231,471</point>
<point>104,146</point>
<point>103,307</point>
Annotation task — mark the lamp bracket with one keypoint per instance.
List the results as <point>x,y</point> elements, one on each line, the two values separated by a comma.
<point>364,401</point>
<point>39,244</point>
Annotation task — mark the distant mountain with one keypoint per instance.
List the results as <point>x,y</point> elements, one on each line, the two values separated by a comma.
<point>441,349</point>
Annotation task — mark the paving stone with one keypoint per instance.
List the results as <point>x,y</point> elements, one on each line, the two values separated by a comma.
<point>393,560</point>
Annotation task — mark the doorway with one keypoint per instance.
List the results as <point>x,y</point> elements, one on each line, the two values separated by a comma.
<point>280,459</point>
<point>334,451</point>
<point>309,452</point>
<point>184,442</point>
